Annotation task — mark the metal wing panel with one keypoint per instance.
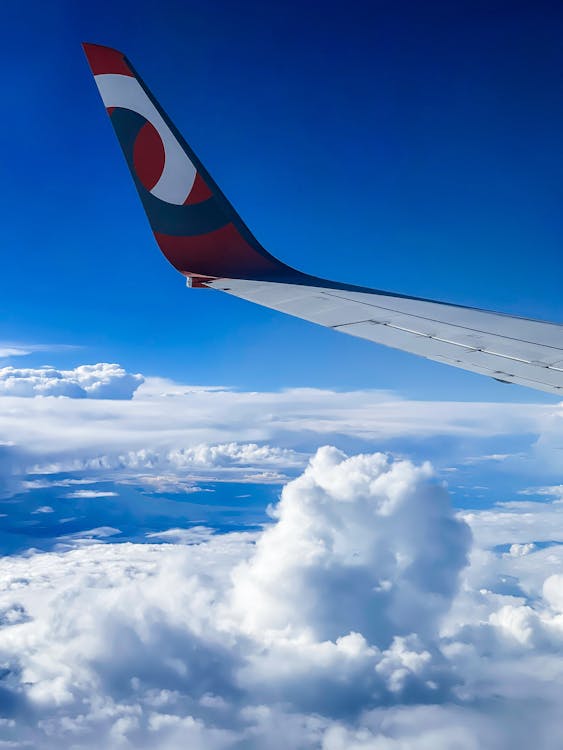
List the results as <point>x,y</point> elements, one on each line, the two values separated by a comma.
<point>508,348</point>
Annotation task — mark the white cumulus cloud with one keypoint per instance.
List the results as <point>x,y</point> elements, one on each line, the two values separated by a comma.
<point>98,381</point>
<point>361,543</point>
<point>220,641</point>
<point>363,617</point>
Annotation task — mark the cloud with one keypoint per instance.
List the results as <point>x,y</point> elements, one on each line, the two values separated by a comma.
<point>175,470</point>
<point>12,349</point>
<point>555,491</point>
<point>361,618</point>
<point>360,543</point>
<point>87,494</point>
<point>333,609</point>
<point>194,535</point>
<point>167,411</point>
<point>123,427</point>
<point>163,483</point>
<point>495,457</point>
<point>517,522</point>
<point>100,381</point>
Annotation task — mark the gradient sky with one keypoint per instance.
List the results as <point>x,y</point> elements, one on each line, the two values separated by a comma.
<point>222,528</point>
<point>410,148</point>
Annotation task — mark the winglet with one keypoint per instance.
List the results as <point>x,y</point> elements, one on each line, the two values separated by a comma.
<point>103,60</point>
<point>195,226</point>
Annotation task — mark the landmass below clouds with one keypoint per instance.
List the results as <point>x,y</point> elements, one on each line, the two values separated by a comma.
<point>363,617</point>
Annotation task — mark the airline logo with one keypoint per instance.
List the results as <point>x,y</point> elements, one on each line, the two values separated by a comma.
<point>194,225</point>
<point>161,164</point>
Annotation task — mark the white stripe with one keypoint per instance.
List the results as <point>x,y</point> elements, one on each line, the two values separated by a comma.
<point>179,173</point>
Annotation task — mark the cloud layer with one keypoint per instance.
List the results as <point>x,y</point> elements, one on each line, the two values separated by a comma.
<point>364,616</point>
<point>119,426</point>
<point>355,620</point>
<point>333,609</point>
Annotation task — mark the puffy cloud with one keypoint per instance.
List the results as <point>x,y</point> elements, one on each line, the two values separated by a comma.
<point>101,381</point>
<point>360,543</point>
<point>174,470</point>
<point>517,550</point>
<point>447,727</point>
<point>332,609</point>
<point>349,623</point>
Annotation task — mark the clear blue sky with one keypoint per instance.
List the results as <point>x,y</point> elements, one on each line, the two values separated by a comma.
<point>390,144</point>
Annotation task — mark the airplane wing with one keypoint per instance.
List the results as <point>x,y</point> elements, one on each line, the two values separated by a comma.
<point>203,237</point>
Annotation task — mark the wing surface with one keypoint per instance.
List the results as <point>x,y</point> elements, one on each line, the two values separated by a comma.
<point>204,238</point>
<point>507,348</point>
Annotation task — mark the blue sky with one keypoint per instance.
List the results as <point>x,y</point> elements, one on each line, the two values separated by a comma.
<point>399,146</point>
<point>226,529</point>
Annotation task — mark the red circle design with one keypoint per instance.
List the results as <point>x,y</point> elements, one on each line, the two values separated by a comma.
<point>148,155</point>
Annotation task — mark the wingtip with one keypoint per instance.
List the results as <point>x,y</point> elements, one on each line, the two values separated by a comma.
<point>103,59</point>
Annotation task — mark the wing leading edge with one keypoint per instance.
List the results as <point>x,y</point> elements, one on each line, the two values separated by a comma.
<point>203,237</point>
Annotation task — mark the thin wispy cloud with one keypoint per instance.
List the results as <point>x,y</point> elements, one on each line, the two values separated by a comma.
<point>554,491</point>
<point>89,494</point>
<point>17,349</point>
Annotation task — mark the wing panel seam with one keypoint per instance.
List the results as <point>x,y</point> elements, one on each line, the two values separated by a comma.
<point>441,322</point>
